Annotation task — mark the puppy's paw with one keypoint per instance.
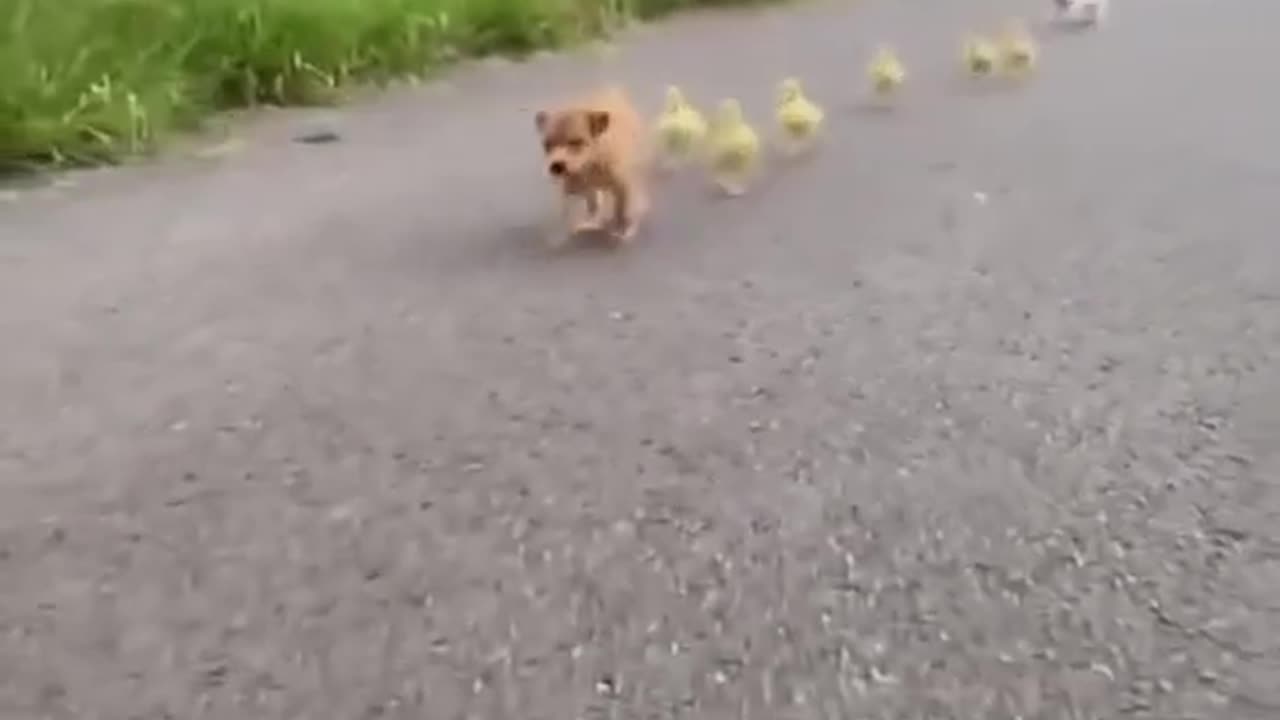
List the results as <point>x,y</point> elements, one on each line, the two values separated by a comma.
<point>625,233</point>
<point>590,225</point>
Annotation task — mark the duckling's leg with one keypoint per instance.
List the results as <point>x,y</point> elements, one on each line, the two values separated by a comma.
<point>673,153</point>
<point>792,145</point>
<point>786,141</point>
<point>809,143</point>
<point>667,161</point>
<point>732,184</point>
<point>732,172</point>
<point>882,95</point>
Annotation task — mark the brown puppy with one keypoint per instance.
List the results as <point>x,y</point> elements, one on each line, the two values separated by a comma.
<point>597,151</point>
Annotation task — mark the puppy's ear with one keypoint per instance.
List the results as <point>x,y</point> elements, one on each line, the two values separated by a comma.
<point>597,122</point>
<point>540,120</point>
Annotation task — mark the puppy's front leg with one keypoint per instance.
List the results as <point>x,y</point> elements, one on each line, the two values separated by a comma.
<point>595,211</point>
<point>593,221</point>
<point>631,204</point>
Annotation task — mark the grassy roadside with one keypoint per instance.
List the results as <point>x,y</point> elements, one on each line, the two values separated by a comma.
<point>91,81</point>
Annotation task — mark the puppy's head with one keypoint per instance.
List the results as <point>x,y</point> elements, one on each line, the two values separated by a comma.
<point>569,139</point>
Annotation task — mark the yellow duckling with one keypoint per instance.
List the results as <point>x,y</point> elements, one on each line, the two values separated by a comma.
<point>980,56</point>
<point>681,129</point>
<point>1018,52</point>
<point>886,72</point>
<point>799,118</point>
<point>733,149</point>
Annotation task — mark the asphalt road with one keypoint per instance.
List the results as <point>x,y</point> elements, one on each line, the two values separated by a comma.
<point>968,417</point>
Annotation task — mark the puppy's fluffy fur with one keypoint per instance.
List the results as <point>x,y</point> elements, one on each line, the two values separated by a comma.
<point>597,151</point>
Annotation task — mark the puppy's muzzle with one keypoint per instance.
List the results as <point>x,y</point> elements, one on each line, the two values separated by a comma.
<point>557,168</point>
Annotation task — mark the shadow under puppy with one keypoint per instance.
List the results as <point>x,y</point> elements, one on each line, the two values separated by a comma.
<point>597,152</point>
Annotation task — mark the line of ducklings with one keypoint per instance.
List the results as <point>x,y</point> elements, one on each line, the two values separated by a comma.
<point>731,147</point>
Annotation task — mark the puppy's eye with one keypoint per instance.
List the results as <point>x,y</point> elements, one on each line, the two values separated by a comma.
<point>547,146</point>
<point>576,144</point>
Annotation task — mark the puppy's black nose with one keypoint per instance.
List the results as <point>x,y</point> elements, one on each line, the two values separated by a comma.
<point>557,168</point>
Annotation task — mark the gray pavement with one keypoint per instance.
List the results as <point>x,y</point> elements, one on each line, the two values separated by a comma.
<point>969,417</point>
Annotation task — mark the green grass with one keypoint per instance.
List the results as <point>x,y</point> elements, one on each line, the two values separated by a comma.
<point>92,81</point>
